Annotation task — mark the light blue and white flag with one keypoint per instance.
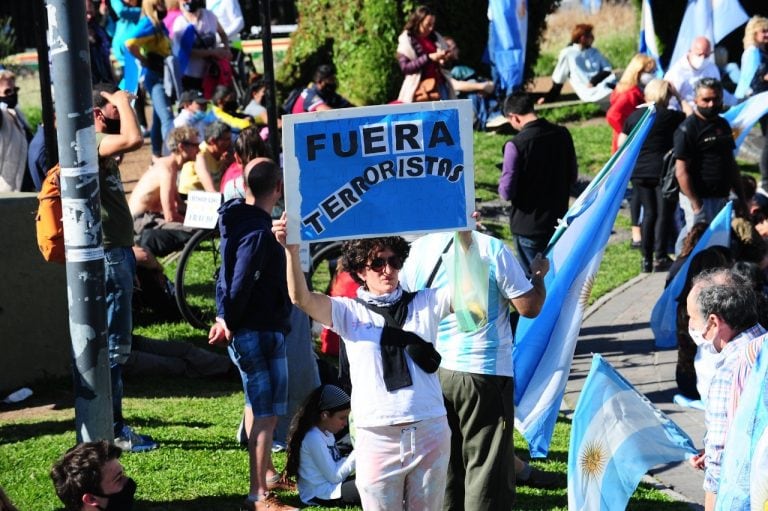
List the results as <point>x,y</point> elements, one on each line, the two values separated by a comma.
<point>743,480</point>
<point>616,436</point>
<point>713,19</point>
<point>544,346</point>
<point>745,115</point>
<point>508,38</point>
<point>664,314</point>
<point>648,44</point>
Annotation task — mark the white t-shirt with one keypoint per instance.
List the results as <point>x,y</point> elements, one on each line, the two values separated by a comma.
<point>186,118</point>
<point>230,16</point>
<point>322,468</point>
<point>580,65</point>
<point>360,329</point>
<point>489,349</point>
<point>206,27</point>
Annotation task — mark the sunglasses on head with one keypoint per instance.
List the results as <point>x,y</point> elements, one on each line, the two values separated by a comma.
<point>377,264</point>
<point>9,92</point>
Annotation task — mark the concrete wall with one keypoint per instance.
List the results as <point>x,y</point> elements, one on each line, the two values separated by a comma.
<point>34,327</point>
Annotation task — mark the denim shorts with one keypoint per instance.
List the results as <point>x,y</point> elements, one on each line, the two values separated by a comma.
<point>260,357</point>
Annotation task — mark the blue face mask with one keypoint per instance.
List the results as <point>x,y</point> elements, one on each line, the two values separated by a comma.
<point>198,116</point>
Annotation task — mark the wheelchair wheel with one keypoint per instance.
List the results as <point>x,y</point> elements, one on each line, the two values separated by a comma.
<point>196,276</point>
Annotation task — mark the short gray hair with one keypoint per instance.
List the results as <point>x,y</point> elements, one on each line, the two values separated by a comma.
<point>728,295</point>
<point>216,130</point>
<point>709,83</point>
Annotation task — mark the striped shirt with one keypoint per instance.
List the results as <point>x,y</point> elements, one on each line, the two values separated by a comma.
<point>716,418</point>
<point>489,349</point>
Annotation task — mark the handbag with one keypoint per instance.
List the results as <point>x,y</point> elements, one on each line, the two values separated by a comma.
<point>428,90</point>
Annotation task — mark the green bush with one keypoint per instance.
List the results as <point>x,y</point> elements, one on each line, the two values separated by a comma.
<point>619,49</point>
<point>545,64</point>
<point>359,37</point>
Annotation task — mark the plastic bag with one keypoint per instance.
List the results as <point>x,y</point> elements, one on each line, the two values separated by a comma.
<point>469,283</point>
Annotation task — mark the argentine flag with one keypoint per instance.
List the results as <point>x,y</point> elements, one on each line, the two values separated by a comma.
<point>509,35</point>
<point>544,346</point>
<point>744,115</point>
<point>616,436</point>
<point>648,44</point>
<point>713,19</point>
<point>664,314</point>
<point>744,470</point>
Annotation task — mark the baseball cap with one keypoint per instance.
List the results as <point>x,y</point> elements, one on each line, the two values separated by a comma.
<point>188,96</point>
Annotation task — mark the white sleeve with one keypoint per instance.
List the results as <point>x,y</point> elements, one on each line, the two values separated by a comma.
<point>232,21</point>
<point>510,276</point>
<point>562,69</point>
<point>319,455</point>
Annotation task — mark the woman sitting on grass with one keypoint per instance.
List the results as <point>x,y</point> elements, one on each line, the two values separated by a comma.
<point>322,472</point>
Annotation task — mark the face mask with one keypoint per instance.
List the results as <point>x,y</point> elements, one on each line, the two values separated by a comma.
<point>11,100</point>
<point>122,500</point>
<point>112,126</point>
<point>329,88</point>
<point>697,337</point>
<point>161,14</point>
<point>645,78</point>
<point>696,61</point>
<point>198,116</point>
<point>708,112</point>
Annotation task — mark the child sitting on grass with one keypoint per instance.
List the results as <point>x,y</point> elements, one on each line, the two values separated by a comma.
<point>323,474</point>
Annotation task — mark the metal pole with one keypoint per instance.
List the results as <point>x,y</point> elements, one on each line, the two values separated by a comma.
<point>68,46</point>
<point>269,78</point>
<point>44,72</point>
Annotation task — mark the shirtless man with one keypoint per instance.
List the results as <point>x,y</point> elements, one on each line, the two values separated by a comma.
<point>155,203</point>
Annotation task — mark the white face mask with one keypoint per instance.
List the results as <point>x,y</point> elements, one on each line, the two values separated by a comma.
<point>645,78</point>
<point>697,337</point>
<point>696,61</point>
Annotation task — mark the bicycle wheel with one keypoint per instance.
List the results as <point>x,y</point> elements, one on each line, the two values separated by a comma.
<point>196,277</point>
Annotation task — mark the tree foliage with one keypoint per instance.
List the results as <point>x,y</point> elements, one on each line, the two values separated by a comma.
<point>359,37</point>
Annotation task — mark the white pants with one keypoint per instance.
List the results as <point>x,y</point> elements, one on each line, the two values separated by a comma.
<point>403,468</point>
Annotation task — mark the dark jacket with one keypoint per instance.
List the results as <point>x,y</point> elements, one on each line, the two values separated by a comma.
<point>251,292</point>
<point>546,169</point>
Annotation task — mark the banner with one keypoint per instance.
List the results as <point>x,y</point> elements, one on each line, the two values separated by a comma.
<point>379,170</point>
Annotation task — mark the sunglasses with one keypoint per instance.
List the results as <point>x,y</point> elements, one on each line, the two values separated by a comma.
<point>377,264</point>
<point>9,92</point>
<point>190,144</point>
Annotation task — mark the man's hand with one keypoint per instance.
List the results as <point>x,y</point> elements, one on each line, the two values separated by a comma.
<point>219,334</point>
<point>539,266</point>
<point>280,230</point>
<point>697,461</point>
<point>118,97</point>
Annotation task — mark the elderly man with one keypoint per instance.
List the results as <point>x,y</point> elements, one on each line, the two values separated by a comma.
<point>89,477</point>
<point>723,320</point>
<point>695,65</point>
<point>14,135</point>
<point>706,168</point>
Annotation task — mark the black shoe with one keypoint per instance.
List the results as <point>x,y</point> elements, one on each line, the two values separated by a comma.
<point>647,266</point>
<point>540,479</point>
<point>661,265</point>
<point>636,245</point>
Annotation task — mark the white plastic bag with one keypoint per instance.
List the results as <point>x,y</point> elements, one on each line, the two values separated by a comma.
<point>469,283</point>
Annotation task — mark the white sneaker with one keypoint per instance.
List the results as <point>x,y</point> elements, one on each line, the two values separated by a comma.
<point>130,441</point>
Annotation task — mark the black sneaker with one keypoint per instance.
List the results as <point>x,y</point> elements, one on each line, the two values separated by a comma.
<point>540,479</point>
<point>647,266</point>
<point>660,265</point>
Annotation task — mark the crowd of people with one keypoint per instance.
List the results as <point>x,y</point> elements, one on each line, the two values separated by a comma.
<point>431,402</point>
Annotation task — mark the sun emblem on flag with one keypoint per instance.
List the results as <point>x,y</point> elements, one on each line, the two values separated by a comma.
<point>586,291</point>
<point>593,459</point>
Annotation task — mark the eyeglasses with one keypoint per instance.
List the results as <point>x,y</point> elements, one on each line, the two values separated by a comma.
<point>377,264</point>
<point>190,144</point>
<point>10,92</point>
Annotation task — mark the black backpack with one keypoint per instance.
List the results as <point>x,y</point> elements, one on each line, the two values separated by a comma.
<point>669,186</point>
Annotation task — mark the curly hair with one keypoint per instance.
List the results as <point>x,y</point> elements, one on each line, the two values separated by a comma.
<point>177,136</point>
<point>79,471</point>
<point>357,253</point>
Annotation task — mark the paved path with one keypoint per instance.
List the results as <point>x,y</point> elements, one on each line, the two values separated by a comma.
<point>617,326</point>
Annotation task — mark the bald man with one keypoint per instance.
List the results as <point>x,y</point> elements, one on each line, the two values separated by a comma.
<point>695,65</point>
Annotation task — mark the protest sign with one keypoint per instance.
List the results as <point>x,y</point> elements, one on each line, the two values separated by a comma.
<point>379,170</point>
<point>202,209</point>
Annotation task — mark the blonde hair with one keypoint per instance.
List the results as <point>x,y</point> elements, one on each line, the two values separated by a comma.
<point>754,25</point>
<point>639,64</point>
<point>6,74</point>
<point>148,8</point>
<point>658,92</point>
